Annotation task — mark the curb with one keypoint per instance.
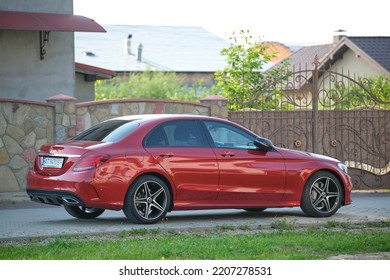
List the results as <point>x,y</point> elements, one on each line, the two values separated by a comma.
<point>14,197</point>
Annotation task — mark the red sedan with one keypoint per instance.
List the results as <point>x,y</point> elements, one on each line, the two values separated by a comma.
<point>148,165</point>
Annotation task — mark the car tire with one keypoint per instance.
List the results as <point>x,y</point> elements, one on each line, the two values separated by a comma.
<point>82,212</point>
<point>322,195</point>
<point>147,200</point>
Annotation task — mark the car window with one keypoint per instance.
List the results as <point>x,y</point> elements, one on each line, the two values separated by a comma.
<point>229,136</point>
<point>156,138</point>
<point>176,134</point>
<point>108,131</point>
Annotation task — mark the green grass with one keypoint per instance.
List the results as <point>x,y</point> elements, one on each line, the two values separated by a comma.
<point>282,241</point>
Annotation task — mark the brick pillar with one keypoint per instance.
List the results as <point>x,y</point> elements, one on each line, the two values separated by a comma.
<point>218,106</point>
<point>64,116</point>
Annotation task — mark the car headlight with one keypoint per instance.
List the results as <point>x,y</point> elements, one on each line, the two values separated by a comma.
<point>343,167</point>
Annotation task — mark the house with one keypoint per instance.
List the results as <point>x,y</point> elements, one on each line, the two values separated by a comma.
<point>86,76</point>
<point>37,48</point>
<point>355,56</point>
<point>37,63</point>
<point>282,51</point>
<point>364,56</point>
<point>191,52</point>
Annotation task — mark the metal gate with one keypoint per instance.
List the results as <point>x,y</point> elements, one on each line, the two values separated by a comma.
<point>329,113</point>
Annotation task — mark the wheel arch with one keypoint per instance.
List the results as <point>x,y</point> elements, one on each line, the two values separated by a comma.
<point>338,177</point>
<point>325,198</point>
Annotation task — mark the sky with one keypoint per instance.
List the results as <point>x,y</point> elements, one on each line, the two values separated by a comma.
<point>301,22</point>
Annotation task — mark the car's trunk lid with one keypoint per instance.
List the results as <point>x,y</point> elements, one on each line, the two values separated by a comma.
<point>56,159</point>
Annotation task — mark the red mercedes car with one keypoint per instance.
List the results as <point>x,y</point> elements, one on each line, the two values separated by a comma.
<point>148,165</point>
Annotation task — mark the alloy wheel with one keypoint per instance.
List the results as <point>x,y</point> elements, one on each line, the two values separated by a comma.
<point>324,194</point>
<point>150,200</point>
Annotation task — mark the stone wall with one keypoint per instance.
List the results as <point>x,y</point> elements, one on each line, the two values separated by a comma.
<point>25,126</point>
<point>91,113</point>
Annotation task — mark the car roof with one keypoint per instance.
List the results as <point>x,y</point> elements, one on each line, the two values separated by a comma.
<point>171,117</point>
<point>147,117</point>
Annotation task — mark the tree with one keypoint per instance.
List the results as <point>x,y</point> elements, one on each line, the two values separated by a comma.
<point>243,79</point>
<point>151,85</point>
<point>365,93</point>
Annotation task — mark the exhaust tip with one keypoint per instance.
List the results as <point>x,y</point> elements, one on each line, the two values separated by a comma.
<point>70,200</point>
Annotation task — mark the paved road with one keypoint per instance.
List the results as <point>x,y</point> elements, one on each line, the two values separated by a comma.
<point>37,220</point>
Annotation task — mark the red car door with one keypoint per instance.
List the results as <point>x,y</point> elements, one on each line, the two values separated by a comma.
<point>248,176</point>
<point>185,155</point>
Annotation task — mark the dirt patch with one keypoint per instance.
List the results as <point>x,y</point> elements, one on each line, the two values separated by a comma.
<point>373,256</point>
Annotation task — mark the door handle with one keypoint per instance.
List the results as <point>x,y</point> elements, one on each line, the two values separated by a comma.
<point>165,155</point>
<point>228,154</point>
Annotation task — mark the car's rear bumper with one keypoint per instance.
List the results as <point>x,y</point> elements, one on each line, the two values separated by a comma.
<point>78,189</point>
<point>55,197</point>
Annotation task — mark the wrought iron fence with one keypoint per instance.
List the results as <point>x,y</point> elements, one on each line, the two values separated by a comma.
<point>327,112</point>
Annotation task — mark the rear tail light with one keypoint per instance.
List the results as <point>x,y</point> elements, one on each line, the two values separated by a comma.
<point>91,162</point>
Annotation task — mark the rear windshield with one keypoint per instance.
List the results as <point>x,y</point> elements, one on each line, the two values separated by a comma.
<point>108,131</point>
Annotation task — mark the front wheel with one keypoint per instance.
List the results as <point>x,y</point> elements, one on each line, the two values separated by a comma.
<point>147,200</point>
<point>82,212</point>
<point>322,195</point>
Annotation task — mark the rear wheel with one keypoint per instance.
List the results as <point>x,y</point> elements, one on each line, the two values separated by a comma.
<point>322,195</point>
<point>82,212</point>
<point>147,200</point>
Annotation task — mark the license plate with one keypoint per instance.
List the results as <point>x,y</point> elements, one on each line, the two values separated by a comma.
<point>52,162</point>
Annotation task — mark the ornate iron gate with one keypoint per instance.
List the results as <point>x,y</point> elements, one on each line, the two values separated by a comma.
<point>330,113</point>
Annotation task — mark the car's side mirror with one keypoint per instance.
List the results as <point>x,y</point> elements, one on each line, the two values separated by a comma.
<point>263,144</point>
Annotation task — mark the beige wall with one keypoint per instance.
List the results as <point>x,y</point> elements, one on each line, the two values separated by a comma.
<point>353,65</point>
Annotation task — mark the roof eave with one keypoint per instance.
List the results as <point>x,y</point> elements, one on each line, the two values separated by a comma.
<point>101,73</point>
<point>342,46</point>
